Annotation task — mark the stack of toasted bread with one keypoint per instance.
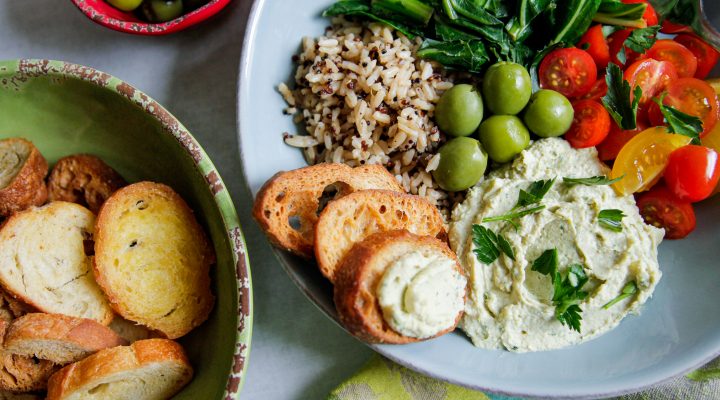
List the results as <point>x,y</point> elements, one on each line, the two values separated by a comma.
<point>89,304</point>
<point>355,222</point>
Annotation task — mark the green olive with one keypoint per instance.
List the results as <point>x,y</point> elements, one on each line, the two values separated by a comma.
<point>459,110</point>
<point>462,163</point>
<point>548,114</point>
<point>162,10</point>
<point>125,5</point>
<point>506,88</point>
<point>503,137</point>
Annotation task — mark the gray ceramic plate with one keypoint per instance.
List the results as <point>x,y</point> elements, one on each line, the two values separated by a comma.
<point>678,330</point>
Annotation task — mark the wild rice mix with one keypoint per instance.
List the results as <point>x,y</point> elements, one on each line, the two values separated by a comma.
<point>365,99</point>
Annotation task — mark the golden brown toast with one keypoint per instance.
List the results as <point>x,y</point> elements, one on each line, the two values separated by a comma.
<point>22,176</point>
<point>288,205</point>
<point>83,179</point>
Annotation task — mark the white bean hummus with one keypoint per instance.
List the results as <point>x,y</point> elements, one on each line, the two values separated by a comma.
<point>509,305</point>
<point>421,295</point>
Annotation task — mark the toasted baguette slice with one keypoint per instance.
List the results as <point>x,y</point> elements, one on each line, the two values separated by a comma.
<point>58,338</point>
<point>288,205</point>
<point>83,179</point>
<point>22,176</point>
<point>356,216</point>
<point>153,259</point>
<point>23,374</point>
<point>130,331</point>
<point>360,273</point>
<point>8,395</point>
<point>153,369</point>
<point>11,308</point>
<point>43,261</point>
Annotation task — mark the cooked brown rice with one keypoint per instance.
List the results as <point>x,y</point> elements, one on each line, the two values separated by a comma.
<point>365,99</point>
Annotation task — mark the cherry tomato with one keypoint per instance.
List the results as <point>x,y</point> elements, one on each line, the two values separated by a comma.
<point>651,75</point>
<point>570,71</point>
<point>712,140</point>
<point>643,159</point>
<point>706,55</point>
<point>650,16</point>
<point>591,124</point>
<point>679,56</point>
<point>615,43</point>
<point>598,90</point>
<point>661,209</point>
<point>597,46</point>
<point>671,27</point>
<point>692,172</point>
<point>609,148</point>
<point>691,96</point>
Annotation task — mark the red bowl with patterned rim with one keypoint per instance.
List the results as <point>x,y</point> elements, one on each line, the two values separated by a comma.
<point>108,16</point>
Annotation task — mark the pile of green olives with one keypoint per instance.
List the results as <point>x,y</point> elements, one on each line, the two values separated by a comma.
<point>158,10</point>
<point>516,111</point>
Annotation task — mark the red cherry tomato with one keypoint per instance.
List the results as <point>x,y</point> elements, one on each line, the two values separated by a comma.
<point>570,71</point>
<point>609,148</point>
<point>672,27</point>
<point>650,16</point>
<point>706,55</point>
<point>692,172</point>
<point>598,90</point>
<point>660,208</point>
<point>651,75</point>
<point>691,96</point>
<point>594,42</point>
<point>591,124</point>
<point>679,56</point>
<point>615,43</point>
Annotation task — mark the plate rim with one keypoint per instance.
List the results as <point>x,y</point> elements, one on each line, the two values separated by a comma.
<point>248,49</point>
<point>172,126</point>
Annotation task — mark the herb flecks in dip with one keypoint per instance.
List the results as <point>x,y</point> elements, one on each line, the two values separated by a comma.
<point>510,305</point>
<point>421,296</point>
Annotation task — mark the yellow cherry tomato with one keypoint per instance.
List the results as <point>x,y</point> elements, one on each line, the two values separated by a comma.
<point>643,159</point>
<point>715,83</point>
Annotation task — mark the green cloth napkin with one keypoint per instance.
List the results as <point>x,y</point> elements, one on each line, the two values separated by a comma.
<point>382,379</point>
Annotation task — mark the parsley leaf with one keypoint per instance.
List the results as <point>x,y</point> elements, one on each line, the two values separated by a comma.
<point>679,122</point>
<point>628,290</point>
<point>488,245</point>
<point>509,217</point>
<point>611,219</point>
<point>567,293</point>
<point>591,181</point>
<point>617,100</point>
<point>535,193</point>
<point>639,41</point>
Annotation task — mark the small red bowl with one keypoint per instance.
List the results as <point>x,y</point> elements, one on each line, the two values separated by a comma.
<point>106,15</point>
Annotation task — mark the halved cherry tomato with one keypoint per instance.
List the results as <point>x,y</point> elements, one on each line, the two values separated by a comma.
<point>671,27</point>
<point>643,159</point>
<point>691,96</point>
<point>597,46</point>
<point>598,90</point>
<point>679,56</point>
<point>712,140</point>
<point>570,71</point>
<point>661,209</point>
<point>706,55</point>
<point>609,148</point>
<point>692,172</point>
<point>591,124</point>
<point>650,16</point>
<point>651,75</point>
<point>615,43</point>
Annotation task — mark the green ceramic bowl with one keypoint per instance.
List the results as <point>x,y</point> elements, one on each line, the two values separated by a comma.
<point>66,109</point>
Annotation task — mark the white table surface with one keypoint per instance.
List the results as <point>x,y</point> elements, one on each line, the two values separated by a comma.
<point>297,353</point>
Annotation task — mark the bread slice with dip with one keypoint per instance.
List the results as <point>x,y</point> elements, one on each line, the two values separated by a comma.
<point>397,287</point>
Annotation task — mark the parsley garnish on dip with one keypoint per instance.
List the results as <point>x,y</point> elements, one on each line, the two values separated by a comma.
<point>513,306</point>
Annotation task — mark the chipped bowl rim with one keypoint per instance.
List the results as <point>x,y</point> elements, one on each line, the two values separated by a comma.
<point>33,68</point>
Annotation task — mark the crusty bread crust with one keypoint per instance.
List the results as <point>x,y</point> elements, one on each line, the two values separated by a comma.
<point>58,338</point>
<point>356,216</point>
<point>296,194</point>
<point>43,261</point>
<point>152,259</point>
<point>22,374</point>
<point>27,187</point>
<point>112,366</point>
<point>83,179</point>
<point>359,276</point>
